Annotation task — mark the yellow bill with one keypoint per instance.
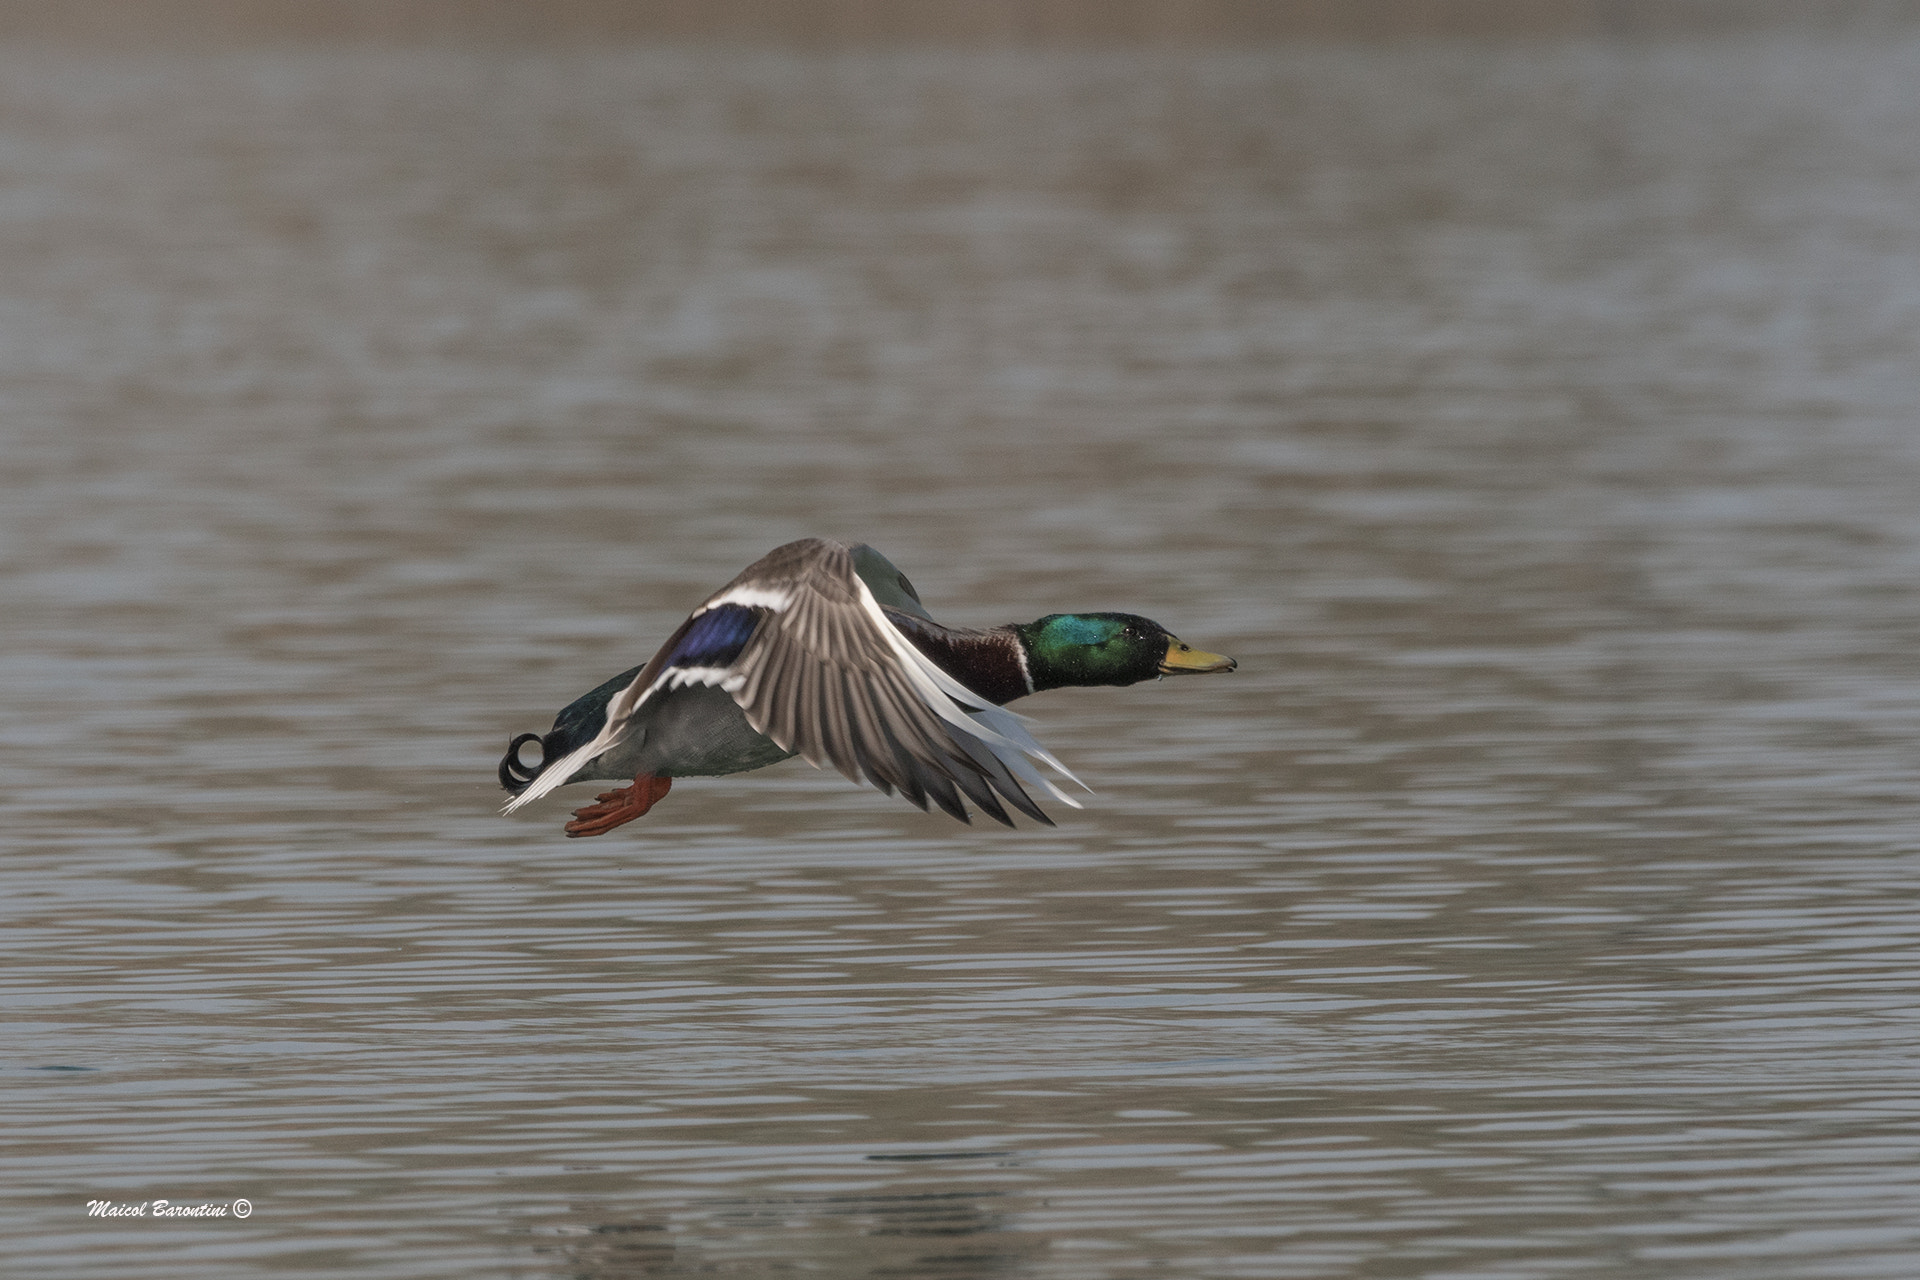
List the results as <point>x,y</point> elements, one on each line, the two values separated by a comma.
<point>1182,658</point>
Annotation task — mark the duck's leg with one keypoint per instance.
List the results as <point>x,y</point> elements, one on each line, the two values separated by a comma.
<point>616,807</point>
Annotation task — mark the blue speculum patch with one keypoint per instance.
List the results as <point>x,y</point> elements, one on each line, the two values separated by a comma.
<point>716,637</point>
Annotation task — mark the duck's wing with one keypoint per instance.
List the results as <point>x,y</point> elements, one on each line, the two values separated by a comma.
<point>827,675</point>
<point>806,651</point>
<point>889,586</point>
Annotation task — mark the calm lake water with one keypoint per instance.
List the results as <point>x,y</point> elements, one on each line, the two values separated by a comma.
<point>1536,424</point>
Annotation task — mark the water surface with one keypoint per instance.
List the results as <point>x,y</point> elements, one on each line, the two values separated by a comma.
<point>1535,425</point>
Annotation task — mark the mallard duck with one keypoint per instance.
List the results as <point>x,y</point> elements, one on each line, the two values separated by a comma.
<point>825,651</point>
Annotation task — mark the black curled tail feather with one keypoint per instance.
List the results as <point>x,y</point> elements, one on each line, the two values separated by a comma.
<point>576,724</point>
<point>514,774</point>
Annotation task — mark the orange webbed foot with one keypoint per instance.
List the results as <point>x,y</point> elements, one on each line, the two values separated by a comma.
<point>618,807</point>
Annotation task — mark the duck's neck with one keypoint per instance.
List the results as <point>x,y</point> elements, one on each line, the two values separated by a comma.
<point>992,663</point>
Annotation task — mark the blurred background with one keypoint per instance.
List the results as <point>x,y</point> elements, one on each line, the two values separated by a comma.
<point>1524,393</point>
<point>865,22</point>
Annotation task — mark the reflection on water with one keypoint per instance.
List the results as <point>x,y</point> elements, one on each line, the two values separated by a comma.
<point>1535,426</point>
<point>932,1234</point>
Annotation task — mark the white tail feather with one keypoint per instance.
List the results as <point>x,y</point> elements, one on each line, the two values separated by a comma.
<point>556,774</point>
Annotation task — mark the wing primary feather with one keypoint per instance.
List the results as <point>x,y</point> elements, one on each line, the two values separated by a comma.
<point>956,759</point>
<point>996,772</point>
<point>812,715</point>
<point>911,748</point>
<point>941,789</point>
<point>917,745</point>
<point>907,768</point>
<point>975,784</point>
<point>870,745</point>
<point>793,690</point>
<point>838,732</point>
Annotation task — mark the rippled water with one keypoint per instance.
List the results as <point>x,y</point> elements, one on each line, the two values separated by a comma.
<point>1535,425</point>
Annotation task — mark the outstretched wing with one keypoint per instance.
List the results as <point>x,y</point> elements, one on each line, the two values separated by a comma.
<point>829,677</point>
<point>808,654</point>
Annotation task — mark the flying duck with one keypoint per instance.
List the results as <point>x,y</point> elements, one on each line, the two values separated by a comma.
<point>825,651</point>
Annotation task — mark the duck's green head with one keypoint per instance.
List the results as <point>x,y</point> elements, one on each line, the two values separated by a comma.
<point>1107,648</point>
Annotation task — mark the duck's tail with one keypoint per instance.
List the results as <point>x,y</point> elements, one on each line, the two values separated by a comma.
<point>515,773</point>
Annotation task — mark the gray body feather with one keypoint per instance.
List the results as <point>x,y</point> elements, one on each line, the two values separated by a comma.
<point>697,731</point>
